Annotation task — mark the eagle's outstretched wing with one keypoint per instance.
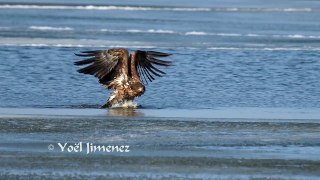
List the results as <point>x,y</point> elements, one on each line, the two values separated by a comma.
<point>101,64</point>
<point>146,61</point>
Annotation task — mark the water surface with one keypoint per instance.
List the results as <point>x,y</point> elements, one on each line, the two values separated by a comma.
<point>241,101</point>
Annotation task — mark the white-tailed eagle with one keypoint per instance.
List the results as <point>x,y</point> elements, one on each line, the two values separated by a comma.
<point>124,74</point>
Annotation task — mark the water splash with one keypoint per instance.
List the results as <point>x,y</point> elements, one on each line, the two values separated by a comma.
<point>125,104</point>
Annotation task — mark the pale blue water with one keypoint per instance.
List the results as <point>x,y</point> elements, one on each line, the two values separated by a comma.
<point>258,60</point>
<point>225,55</point>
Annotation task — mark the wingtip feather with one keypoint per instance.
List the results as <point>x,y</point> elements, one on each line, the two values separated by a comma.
<point>159,54</point>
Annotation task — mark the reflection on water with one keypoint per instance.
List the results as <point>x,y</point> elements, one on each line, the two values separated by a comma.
<point>124,112</point>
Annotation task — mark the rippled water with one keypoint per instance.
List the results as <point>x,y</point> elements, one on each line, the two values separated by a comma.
<point>241,56</point>
<point>226,54</point>
<point>201,78</point>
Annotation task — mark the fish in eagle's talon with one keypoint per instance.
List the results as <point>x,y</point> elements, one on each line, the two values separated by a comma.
<point>123,73</point>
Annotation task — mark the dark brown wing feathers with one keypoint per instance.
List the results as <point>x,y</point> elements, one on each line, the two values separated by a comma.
<point>146,61</point>
<point>101,63</point>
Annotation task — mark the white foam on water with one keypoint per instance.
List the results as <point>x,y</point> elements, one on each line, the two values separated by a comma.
<point>267,48</point>
<point>49,42</point>
<point>75,45</point>
<point>296,36</point>
<point>200,33</point>
<point>93,7</point>
<point>235,9</point>
<point>232,9</point>
<point>297,9</point>
<point>49,28</point>
<point>4,28</point>
<point>228,34</point>
<point>166,31</point>
<point>196,33</point>
<point>150,8</point>
<point>160,31</point>
<point>293,36</point>
<point>265,9</point>
<point>254,35</point>
<point>254,48</point>
<point>299,36</point>
<point>224,48</point>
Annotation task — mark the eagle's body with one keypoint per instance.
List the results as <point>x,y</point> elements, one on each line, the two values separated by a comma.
<point>121,72</point>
